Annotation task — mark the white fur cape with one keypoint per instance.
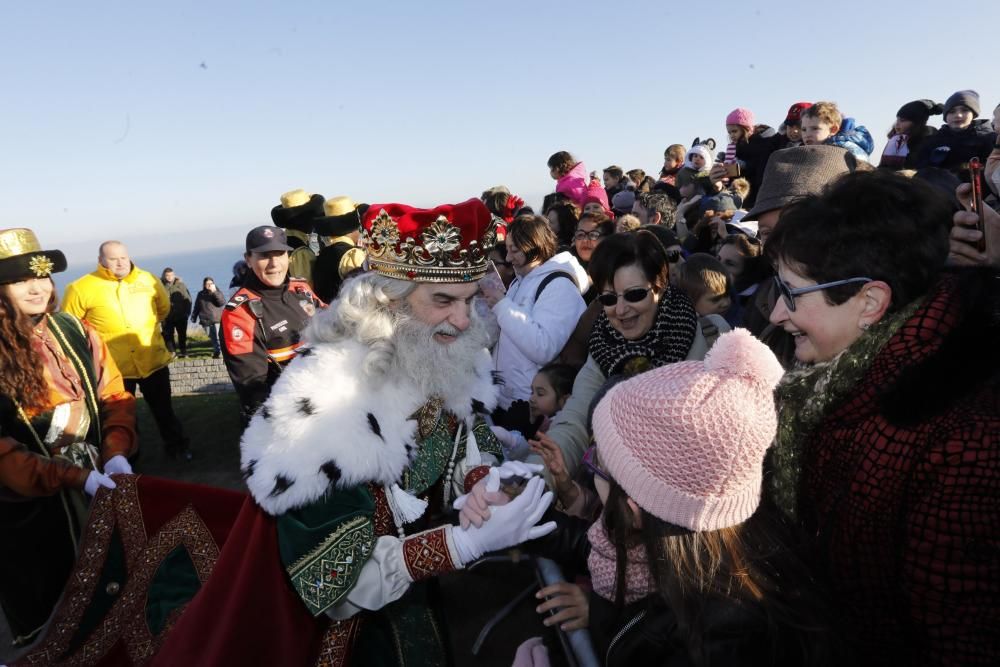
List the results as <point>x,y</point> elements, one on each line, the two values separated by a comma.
<point>326,426</point>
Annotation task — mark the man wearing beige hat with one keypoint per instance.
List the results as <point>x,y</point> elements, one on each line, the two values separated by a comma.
<point>791,173</point>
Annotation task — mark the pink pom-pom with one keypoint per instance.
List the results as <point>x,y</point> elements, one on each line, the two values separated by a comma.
<point>737,352</point>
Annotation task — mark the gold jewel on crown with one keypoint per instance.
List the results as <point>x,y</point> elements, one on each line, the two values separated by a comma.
<point>439,257</point>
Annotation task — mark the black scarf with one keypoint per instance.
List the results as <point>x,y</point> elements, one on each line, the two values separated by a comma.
<point>668,340</point>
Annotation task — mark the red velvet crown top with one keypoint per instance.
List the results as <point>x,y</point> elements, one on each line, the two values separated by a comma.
<point>448,243</point>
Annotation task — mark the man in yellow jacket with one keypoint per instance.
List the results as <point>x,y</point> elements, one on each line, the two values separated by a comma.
<point>126,304</point>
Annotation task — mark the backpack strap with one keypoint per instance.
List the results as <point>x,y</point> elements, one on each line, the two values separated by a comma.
<point>549,278</point>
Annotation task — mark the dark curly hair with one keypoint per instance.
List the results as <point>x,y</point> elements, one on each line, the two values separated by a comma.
<point>873,224</point>
<point>22,377</point>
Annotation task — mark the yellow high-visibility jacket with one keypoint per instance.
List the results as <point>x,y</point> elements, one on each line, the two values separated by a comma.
<point>127,313</point>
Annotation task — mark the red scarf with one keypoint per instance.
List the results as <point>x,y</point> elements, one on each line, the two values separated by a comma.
<point>602,563</point>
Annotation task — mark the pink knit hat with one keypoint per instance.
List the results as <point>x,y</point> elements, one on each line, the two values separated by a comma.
<point>686,441</point>
<point>740,116</point>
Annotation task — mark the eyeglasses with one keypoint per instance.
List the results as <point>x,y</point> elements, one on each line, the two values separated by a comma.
<point>632,295</point>
<point>588,236</point>
<point>789,293</point>
<point>590,463</point>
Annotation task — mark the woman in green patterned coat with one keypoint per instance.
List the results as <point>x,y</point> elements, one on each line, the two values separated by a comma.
<point>64,416</point>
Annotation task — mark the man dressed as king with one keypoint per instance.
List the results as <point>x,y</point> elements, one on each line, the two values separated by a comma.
<point>366,442</point>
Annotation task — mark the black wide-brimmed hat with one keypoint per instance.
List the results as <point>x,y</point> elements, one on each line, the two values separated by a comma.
<point>22,257</point>
<point>343,216</point>
<point>298,210</point>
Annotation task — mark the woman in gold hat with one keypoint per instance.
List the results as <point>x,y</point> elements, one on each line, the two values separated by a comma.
<point>64,418</point>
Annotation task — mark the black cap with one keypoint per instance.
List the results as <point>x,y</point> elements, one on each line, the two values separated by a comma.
<point>918,111</point>
<point>267,238</point>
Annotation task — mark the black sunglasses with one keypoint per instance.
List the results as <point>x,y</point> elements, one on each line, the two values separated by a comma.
<point>632,295</point>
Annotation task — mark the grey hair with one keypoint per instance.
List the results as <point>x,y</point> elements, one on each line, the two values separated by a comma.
<point>362,313</point>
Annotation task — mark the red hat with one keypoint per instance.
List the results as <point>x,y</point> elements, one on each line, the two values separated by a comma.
<point>794,115</point>
<point>447,244</point>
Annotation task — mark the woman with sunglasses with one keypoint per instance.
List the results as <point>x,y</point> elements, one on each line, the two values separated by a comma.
<point>685,567</point>
<point>644,323</point>
<point>64,417</point>
<point>888,450</point>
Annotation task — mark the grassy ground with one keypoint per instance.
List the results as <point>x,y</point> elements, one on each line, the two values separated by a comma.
<point>212,423</point>
<point>198,345</point>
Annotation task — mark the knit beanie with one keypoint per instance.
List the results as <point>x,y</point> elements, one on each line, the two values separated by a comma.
<point>623,201</point>
<point>740,116</point>
<point>966,98</point>
<point>596,193</point>
<point>703,151</point>
<point>918,111</point>
<point>686,441</point>
<point>794,115</point>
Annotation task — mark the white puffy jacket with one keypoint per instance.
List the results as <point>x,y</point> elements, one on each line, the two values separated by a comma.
<point>532,334</point>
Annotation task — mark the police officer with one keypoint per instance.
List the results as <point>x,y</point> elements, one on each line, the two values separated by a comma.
<point>262,323</point>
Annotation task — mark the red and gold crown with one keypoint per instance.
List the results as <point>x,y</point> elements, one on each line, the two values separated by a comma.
<point>447,244</point>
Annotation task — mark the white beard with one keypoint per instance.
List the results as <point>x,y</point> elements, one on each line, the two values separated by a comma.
<point>438,369</point>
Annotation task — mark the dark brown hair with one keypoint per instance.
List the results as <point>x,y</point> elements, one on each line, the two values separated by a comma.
<point>568,215</point>
<point>614,171</point>
<point>702,274</point>
<point>22,377</point>
<point>562,162</point>
<point>532,235</point>
<point>875,224</point>
<point>640,248</point>
<point>752,563</point>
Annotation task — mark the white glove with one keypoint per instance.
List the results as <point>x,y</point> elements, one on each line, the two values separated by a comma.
<point>95,480</point>
<point>117,464</point>
<point>511,524</point>
<point>474,506</point>
<point>515,446</point>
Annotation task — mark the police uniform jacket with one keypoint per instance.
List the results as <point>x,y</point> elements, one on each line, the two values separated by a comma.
<point>261,331</point>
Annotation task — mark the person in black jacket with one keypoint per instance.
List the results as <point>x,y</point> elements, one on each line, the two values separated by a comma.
<point>686,567</point>
<point>208,312</point>
<point>962,137</point>
<point>180,306</point>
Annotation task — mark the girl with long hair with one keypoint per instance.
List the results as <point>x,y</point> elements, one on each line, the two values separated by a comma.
<point>64,417</point>
<point>686,567</point>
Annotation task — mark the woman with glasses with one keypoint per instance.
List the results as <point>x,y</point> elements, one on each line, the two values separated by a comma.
<point>888,449</point>
<point>644,323</point>
<point>536,315</point>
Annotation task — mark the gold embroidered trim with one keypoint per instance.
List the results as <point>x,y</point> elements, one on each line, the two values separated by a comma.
<point>324,575</point>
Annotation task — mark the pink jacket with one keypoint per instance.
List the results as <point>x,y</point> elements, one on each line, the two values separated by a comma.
<point>574,184</point>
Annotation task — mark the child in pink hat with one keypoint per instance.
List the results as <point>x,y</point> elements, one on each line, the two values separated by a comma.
<point>683,565</point>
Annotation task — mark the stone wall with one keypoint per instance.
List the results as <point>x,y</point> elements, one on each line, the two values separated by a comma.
<point>199,376</point>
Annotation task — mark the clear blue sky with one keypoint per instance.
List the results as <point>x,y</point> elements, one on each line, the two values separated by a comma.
<point>123,119</point>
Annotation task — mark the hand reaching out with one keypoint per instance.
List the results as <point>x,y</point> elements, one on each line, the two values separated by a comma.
<point>964,235</point>
<point>570,600</point>
<point>552,456</point>
<point>474,506</point>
